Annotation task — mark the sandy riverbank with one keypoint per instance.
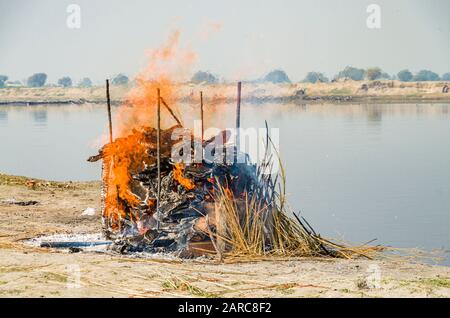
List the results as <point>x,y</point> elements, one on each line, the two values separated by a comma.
<point>336,92</point>
<point>30,271</point>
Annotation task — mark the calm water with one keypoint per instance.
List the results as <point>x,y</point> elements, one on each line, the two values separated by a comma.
<point>356,172</point>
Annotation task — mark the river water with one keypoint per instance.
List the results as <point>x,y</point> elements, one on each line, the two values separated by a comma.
<point>356,172</point>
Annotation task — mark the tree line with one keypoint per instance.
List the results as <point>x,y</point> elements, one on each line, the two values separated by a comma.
<point>375,73</point>
<point>275,76</point>
<point>349,72</point>
<point>40,80</point>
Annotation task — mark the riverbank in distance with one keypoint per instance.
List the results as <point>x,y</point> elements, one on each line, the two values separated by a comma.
<point>255,93</point>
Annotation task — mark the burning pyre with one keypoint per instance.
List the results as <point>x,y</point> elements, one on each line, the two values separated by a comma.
<point>210,206</point>
<point>187,209</point>
<point>154,203</point>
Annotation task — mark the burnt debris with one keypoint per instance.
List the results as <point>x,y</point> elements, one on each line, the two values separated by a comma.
<point>187,193</point>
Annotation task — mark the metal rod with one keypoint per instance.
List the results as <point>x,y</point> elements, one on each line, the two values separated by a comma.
<point>60,244</point>
<point>158,157</point>
<point>108,103</point>
<point>238,116</point>
<point>201,115</point>
<point>170,111</point>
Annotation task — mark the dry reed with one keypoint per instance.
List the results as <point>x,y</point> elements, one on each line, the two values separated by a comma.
<point>258,224</point>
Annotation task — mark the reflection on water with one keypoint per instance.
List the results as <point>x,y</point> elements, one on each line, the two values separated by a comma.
<point>374,117</point>
<point>50,142</point>
<point>39,117</point>
<point>356,172</point>
<point>3,116</point>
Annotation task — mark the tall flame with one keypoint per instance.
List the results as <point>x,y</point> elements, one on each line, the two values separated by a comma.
<point>166,66</point>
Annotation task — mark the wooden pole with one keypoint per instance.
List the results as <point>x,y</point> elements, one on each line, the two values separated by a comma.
<point>238,116</point>
<point>108,103</point>
<point>170,111</point>
<point>158,158</point>
<point>201,115</point>
<point>107,173</point>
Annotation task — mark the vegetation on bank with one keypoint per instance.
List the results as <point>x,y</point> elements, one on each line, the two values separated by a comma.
<point>378,91</point>
<point>275,76</point>
<point>40,80</point>
<point>376,73</point>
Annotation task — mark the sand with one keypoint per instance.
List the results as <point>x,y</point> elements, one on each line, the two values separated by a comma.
<point>30,271</point>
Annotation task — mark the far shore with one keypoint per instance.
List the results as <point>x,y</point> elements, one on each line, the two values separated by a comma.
<point>370,92</point>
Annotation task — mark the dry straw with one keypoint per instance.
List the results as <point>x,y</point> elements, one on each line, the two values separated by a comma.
<point>259,225</point>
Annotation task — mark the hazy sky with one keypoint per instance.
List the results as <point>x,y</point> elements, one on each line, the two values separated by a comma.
<point>255,36</point>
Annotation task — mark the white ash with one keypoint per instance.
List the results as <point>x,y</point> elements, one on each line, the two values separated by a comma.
<point>73,237</point>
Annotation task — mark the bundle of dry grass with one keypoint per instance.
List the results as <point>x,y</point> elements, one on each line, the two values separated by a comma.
<point>260,224</point>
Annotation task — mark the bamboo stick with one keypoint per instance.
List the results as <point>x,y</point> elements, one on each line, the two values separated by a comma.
<point>238,116</point>
<point>170,111</point>
<point>201,115</point>
<point>108,103</point>
<point>158,148</point>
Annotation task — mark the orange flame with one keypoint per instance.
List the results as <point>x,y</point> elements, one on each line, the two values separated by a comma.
<point>178,174</point>
<point>128,153</point>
